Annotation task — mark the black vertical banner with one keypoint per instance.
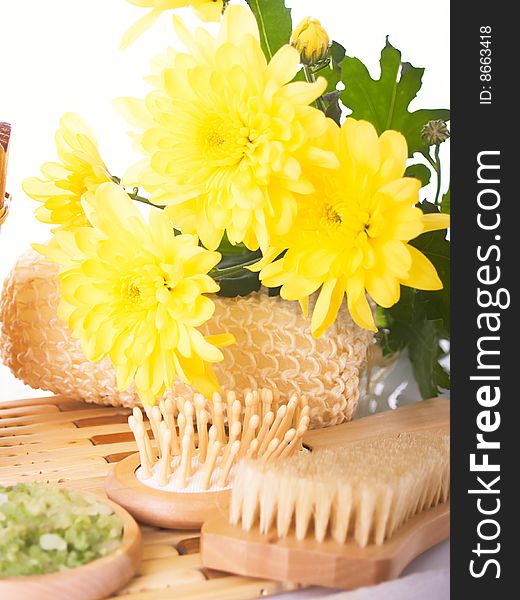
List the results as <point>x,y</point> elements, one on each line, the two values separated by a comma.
<point>485,337</point>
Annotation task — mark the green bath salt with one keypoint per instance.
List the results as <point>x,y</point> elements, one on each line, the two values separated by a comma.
<point>44,529</point>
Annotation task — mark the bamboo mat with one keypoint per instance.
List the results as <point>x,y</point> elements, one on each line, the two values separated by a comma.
<point>74,444</point>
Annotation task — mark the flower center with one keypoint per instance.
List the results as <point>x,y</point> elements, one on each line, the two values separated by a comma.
<point>215,138</point>
<point>226,142</point>
<point>131,294</point>
<point>219,137</point>
<point>330,217</point>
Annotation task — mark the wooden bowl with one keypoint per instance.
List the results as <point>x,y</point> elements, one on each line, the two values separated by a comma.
<point>93,581</point>
<point>171,510</point>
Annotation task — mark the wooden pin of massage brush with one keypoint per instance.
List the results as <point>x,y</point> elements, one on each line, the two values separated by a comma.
<point>345,516</point>
<point>185,475</point>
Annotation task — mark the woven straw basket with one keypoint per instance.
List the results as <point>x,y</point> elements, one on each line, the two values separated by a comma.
<point>274,348</point>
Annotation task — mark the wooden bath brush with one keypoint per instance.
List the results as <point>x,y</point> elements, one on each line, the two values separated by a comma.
<point>371,496</point>
<point>185,476</point>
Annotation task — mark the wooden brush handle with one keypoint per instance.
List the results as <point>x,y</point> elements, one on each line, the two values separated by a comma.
<point>418,416</point>
<point>225,547</point>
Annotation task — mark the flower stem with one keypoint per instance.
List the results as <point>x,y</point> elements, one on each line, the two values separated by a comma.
<point>141,199</point>
<point>430,160</point>
<point>438,171</point>
<point>135,193</point>
<point>219,274</point>
<point>135,196</point>
<point>309,76</point>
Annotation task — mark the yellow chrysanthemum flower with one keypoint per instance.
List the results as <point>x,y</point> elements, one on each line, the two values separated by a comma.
<point>352,235</point>
<point>229,142</point>
<point>81,170</point>
<point>206,10</point>
<point>134,292</point>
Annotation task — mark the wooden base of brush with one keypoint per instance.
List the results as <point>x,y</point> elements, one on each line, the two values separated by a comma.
<point>94,581</point>
<point>170,510</point>
<point>225,547</point>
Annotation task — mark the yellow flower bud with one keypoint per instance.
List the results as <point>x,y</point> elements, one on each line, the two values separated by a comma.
<point>311,40</point>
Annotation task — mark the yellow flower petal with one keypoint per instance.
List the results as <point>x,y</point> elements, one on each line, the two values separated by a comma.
<point>327,306</point>
<point>304,305</point>
<point>405,189</point>
<point>359,140</point>
<point>305,92</point>
<point>422,274</point>
<point>238,22</point>
<point>134,111</point>
<point>394,152</point>
<point>383,287</point>
<point>361,313</point>
<point>139,27</point>
<point>358,304</point>
<point>396,256</point>
<point>435,221</point>
<point>221,340</point>
<point>284,63</point>
<point>209,11</point>
<point>296,287</point>
<point>204,349</point>
<point>268,256</point>
<point>206,10</point>
<point>110,209</point>
<point>273,275</point>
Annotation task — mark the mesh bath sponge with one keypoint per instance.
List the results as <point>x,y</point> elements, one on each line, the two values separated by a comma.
<point>274,348</point>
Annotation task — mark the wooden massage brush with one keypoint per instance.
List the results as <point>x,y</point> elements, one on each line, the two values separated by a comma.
<point>372,495</point>
<point>184,473</point>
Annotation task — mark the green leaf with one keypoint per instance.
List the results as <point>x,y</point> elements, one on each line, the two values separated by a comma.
<point>420,172</point>
<point>239,281</point>
<point>274,24</point>
<point>337,52</point>
<point>333,109</point>
<point>424,352</point>
<point>406,326</point>
<point>332,69</point>
<point>384,101</point>
<point>241,285</point>
<point>445,202</point>
<point>227,249</point>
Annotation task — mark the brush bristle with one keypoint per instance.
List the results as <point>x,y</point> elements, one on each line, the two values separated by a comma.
<point>257,428</point>
<point>364,490</point>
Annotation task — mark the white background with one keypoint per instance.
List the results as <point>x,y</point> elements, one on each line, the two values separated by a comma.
<point>62,55</point>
